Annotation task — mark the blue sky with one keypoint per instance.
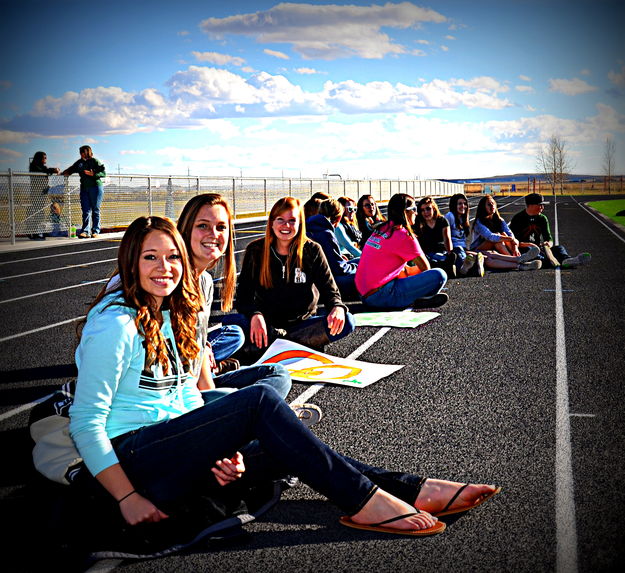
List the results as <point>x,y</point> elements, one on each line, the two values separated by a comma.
<point>444,89</point>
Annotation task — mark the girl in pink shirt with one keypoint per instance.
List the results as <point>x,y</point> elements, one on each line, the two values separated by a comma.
<point>393,271</point>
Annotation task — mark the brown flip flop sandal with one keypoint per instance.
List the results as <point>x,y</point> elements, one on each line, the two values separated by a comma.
<point>480,501</point>
<point>438,527</point>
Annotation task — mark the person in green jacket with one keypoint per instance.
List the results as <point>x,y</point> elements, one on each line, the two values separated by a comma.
<point>92,172</point>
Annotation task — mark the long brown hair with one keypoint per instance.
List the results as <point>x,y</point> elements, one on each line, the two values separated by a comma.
<point>185,226</point>
<point>184,303</point>
<point>436,213</point>
<point>296,248</point>
<point>494,223</point>
<point>396,214</point>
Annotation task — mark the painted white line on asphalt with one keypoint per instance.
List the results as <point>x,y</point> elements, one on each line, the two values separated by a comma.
<point>63,268</point>
<point>20,334</point>
<point>310,392</point>
<point>86,283</point>
<point>584,415</point>
<point>16,411</point>
<point>600,221</point>
<point>566,531</point>
<point>68,254</point>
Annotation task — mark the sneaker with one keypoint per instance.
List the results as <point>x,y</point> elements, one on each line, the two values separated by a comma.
<point>467,264</point>
<point>37,237</point>
<point>83,235</point>
<point>309,414</point>
<point>431,301</point>
<point>480,265</point>
<point>574,262</point>
<point>530,254</point>
<point>94,235</point>
<point>227,365</point>
<point>530,266</point>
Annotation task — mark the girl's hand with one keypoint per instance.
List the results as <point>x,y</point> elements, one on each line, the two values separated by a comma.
<point>137,509</point>
<point>258,331</point>
<point>210,357</point>
<point>336,320</point>
<point>228,470</point>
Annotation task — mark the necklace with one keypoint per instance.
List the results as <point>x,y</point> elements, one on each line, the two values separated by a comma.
<point>281,262</point>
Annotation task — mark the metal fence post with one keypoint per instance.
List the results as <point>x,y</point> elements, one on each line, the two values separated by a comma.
<point>68,197</point>
<point>11,207</point>
<point>198,185</point>
<point>234,195</point>
<point>265,194</point>
<point>149,196</point>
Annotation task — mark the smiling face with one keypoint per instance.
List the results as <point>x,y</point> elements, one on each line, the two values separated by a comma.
<point>285,228</point>
<point>369,207</point>
<point>209,236</point>
<point>462,206</point>
<point>411,213</point>
<point>160,266</point>
<point>427,211</point>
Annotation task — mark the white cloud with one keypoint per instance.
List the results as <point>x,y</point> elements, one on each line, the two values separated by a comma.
<point>524,88</point>
<point>525,78</point>
<point>482,84</point>
<point>327,31</point>
<point>445,48</point>
<point>7,136</point>
<point>450,37</point>
<point>217,58</point>
<point>132,152</point>
<point>618,79</point>
<point>585,72</point>
<point>570,87</point>
<point>9,154</point>
<point>308,71</point>
<point>276,54</point>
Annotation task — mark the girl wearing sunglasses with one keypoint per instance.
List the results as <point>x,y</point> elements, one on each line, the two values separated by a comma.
<point>347,233</point>
<point>367,216</point>
<point>393,271</point>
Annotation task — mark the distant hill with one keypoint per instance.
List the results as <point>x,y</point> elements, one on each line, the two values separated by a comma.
<point>525,176</point>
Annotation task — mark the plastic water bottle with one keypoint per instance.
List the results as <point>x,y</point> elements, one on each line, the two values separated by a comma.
<point>72,231</point>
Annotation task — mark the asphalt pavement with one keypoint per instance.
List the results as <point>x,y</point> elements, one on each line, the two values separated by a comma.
<point>518,382</point>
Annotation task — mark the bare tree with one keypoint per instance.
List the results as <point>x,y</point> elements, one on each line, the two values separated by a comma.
<point>608,160</point>
<point>553,162</point>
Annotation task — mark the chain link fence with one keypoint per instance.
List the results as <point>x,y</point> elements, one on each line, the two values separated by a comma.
<point>35,203</point>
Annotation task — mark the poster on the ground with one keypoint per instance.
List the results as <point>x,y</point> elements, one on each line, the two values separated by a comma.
<point>307,365</point>
<point>396,319</point>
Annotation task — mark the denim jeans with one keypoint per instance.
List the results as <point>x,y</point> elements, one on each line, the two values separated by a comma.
<point>90,201</point>
<point>171,459</point>
<point>559,252</point>
<point>225,341</point>
<point>461,255</point>
<point>244,322</point>
<point>275,376</point>
<point>401,293</point>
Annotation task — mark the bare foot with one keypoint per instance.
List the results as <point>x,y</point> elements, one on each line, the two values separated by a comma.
<point>435,494</point>
<point>383,506</point>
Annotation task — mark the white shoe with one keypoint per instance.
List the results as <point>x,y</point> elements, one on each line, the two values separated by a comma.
<point>530,254</point>
<point>579,260</point>
<point>467,264</point>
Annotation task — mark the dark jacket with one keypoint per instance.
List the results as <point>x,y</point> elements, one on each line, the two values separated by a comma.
<point>294,296</point>
<point>320,230</point>
<point>91,164</point>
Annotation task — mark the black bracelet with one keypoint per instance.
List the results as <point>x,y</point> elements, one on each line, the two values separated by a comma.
<point>127,495</point>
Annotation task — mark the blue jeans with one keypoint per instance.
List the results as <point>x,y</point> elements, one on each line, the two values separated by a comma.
<point>275,376</point>
<point>172,459</point>
<point>225,341</point>
<point>90,201</point>
<point>461,255</point>
<point>244,322</point>
<point>401,293</point>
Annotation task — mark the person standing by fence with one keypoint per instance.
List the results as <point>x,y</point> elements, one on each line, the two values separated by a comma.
<point>91,172</point>
<point>38,189</point>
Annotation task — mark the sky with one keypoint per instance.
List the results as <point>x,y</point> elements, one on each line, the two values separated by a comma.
<point>365,89</point>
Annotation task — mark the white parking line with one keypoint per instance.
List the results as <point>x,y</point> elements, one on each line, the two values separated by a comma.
<point>63,268</point>
<point>87,283</point>
<point>67,254</point>
<point>310,392</point>
<point>566,531</point>
<point>41,329</point>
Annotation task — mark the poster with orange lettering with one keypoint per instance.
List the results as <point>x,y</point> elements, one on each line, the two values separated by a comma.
<point>307,365</point>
